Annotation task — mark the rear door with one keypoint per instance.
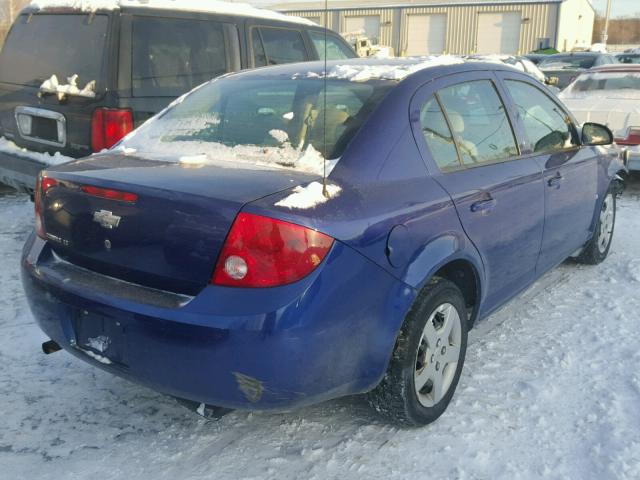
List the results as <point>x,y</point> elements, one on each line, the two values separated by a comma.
<point>473,153</point>
<point>76,48</point>
<point>570,172</point>
<point>165,57</point>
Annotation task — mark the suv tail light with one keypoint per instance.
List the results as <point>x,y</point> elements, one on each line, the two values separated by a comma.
<point>43,185</point>
<point>109,126</point>
<point>633,137</point>
<point>265,252</point>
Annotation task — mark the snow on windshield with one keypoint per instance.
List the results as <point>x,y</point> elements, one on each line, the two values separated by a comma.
<point>398,70</point>
<point>208,6</point>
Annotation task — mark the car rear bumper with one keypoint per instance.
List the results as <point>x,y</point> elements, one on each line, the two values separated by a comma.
<point>19,172</point>
<point>328,335</point>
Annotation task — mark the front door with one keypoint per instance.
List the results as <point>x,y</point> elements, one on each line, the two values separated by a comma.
<point>499,196</point>
<point>570,172</point>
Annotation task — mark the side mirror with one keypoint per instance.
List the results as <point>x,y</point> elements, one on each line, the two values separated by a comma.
<point>553,81</point>
<point>595,134</point>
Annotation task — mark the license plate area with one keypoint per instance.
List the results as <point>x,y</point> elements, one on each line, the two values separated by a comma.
<point>42,126</point>
<point>101,337</point>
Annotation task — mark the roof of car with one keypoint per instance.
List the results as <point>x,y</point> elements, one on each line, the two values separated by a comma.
<point>576,54</point>
<point>195,6</point>
<point>366,69</point>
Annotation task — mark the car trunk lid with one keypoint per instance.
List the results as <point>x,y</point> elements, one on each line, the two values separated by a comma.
<point>170,232</point>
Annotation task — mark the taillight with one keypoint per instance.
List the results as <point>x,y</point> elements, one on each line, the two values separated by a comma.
<point>633,137</point>
<point>265,252</point>
<point>110,194</point>
<point>43,185</point>
<point>109,126</point>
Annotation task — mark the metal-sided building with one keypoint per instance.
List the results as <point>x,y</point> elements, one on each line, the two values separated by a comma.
<point>420,27</point>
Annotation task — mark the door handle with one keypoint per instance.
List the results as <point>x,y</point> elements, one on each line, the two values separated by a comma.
<point>483,205</point>
<point>556,181</point>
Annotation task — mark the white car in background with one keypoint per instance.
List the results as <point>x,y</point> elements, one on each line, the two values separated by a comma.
<point>610,95</point>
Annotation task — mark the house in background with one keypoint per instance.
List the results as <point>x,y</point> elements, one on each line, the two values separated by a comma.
<point>422,27</point>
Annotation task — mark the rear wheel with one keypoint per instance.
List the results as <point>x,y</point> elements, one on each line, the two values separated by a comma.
<point>427,359</point>
<point>597,249</point>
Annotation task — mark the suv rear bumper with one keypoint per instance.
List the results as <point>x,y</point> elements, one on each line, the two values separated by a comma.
<point>20,172</point>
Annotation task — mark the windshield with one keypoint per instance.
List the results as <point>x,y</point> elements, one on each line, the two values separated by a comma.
<point>633,58</point>
<point>607,81</point>
<point>568,62</point>
<point>63,45</point>
<point>269,121</point>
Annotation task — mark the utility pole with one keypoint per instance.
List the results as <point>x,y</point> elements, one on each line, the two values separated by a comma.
<point>605,32</point>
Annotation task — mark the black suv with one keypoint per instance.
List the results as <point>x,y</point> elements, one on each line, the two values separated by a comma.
<point>116,68</point>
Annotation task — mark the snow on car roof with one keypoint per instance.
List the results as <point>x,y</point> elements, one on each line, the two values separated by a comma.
<point>365,69</point>
<point>206,6</point>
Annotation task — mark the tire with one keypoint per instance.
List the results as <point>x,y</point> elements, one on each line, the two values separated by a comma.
<point>597,248</point>
<point>423,354</point>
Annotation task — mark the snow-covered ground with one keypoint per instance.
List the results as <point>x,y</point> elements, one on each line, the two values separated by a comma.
<point>551,389</point>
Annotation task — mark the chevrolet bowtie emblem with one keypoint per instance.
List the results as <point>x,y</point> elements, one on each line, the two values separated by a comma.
<point>106,219</point>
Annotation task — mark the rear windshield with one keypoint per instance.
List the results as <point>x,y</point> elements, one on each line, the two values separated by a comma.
<point>62,45</point>
<point>568,62</point>
<point>607,81</point>
<point>281,121</point>
<point>633,58</point>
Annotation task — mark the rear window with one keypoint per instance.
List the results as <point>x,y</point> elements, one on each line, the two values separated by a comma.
<point>280,121</point>
<point>568,62</point>
<point>633,59</point>
<point>61,45</point>
<point>607,81</point>
<point>171,56</point>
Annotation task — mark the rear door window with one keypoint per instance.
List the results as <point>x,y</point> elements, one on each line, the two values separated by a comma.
<point>438,136</point>
<point>276,46</point>
<point>480,126</point>
<point>172,56</point>
<point>335,48</point>
<point>40,46</point>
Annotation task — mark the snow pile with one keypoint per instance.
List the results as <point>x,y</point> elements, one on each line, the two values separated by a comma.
<point>310,196</point>
<point>52,85</point>
<point>205,6</point>
<point>82,5</point>
<point>397,70</point>
<point>7,146</point>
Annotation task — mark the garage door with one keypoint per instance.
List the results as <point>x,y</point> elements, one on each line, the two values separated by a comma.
<point>499,33</point>
<point>370,24</point>
<point>426,34</point>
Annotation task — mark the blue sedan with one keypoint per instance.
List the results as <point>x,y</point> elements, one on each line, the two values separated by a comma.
<point>288,235</point>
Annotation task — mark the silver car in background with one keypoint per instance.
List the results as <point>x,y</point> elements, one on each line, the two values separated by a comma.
<point>610,95</point>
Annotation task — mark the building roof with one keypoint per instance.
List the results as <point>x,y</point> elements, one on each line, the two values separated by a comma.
<point>363,5</point>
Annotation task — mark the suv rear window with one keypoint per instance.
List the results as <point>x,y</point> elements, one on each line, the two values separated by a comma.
<point>63,45</point>
<point>172,56</point>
